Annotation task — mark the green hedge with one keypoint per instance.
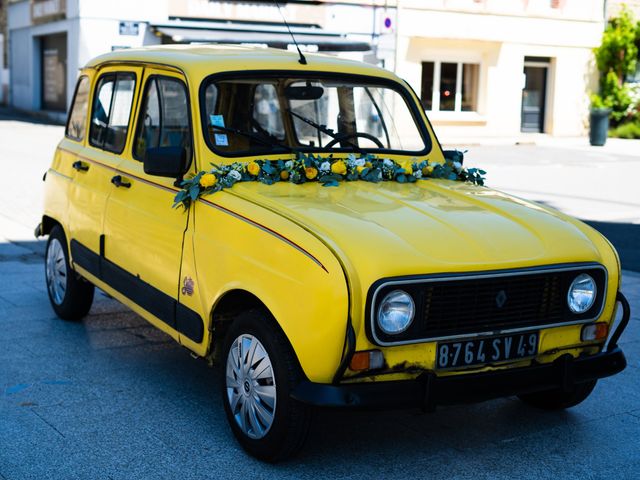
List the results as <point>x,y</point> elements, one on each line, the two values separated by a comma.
<point>626,130</point>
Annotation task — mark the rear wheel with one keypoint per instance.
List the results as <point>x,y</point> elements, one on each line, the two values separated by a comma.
<point>70,295</point>
<point>559,399</point>
<point>260,372</point>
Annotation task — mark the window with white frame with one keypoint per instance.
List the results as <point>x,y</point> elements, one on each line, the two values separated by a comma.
<point>450,86</point>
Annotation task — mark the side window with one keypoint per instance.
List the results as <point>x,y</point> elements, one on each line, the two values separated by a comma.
<point>111,111</point>
<point>76,124</point>
<point>164,117</point>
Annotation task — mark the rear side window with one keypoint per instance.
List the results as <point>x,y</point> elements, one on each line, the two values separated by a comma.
<point>164,117</point>
<point>111,111</point>
<point>76,124</point>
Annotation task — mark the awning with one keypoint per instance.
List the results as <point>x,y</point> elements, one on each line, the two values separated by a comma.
<point>275,36</point>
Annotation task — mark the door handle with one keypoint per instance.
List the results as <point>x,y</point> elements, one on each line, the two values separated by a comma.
<point>80,166</point>
<point>119,182</point>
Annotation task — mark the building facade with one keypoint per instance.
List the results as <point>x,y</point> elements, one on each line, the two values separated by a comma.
<point>482,68</point>
<point>501,67</point>
<point>51,39</point>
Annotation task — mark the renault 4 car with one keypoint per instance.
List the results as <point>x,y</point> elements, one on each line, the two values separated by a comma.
<point>298,223</point>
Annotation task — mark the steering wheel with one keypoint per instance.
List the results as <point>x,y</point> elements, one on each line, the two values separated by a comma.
<point>345,136</point>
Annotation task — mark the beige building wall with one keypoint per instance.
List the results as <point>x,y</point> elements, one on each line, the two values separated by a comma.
<point>497,35</point>
<point>614,6</point>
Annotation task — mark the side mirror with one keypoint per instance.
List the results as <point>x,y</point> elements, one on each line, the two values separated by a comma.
<point>165,161</point>
<point>454,155</point>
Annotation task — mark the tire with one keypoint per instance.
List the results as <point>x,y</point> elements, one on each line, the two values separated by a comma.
<point>279,424</point>
<point>559,399</point>
<point>70,295</point>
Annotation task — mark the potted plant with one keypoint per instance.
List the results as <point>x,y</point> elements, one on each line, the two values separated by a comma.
<point>599,120</point>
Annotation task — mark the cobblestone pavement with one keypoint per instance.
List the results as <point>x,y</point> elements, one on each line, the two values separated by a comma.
<point>112,398</point>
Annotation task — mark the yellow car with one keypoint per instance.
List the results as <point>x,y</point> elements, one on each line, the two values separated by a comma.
<point>297,221</point>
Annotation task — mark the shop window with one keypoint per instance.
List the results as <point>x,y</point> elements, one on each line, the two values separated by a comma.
<point>164,117</point>
<point>427,85</point>
<point>450,87</point>
<point>76,125</point>
<point>111,111</point>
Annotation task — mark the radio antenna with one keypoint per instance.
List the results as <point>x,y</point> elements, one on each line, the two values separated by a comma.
<point>302,59</point>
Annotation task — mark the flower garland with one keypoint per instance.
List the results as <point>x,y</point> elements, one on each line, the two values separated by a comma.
<point>328,171</point>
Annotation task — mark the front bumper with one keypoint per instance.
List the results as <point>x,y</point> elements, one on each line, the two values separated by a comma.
<point>429,390</point>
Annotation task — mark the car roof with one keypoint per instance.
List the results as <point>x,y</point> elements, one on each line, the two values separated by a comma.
<point>207,59</point>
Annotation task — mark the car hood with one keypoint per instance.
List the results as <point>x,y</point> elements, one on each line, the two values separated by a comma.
<point>390,229</point>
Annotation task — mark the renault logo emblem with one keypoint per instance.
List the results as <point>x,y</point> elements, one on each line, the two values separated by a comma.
<point>501,298</point>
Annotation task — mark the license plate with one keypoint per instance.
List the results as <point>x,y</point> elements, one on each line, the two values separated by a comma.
<point>465,353</point>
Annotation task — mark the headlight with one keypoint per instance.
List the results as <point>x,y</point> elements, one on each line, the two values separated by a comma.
<point>582,293</point>
<point>395,313</point>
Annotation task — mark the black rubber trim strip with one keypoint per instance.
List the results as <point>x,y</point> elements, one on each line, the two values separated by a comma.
<point>163,306</point>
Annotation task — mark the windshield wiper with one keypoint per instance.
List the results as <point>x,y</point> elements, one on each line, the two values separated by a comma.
<point>325,130</point>
<point>271,142</point>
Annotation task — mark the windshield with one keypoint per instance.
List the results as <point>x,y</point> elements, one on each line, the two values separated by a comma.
<point>245,116</point>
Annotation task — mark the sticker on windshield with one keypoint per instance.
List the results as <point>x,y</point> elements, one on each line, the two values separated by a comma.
<point>221,139</point>
<point>216,120</point>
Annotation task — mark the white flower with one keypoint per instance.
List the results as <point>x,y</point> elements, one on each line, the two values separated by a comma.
<point>288,164</point>
<point>235,175</point>
<point>387,163</point>
<point>360,162</point>
<point>457,166</point>
<point>417,173</point>
<point>325,167</point>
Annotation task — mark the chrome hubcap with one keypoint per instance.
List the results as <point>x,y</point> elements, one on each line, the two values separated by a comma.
<point>56,271</point>
<point>251,386</point>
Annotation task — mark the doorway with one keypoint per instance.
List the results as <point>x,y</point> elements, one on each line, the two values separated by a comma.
<point>534,95</point>
<point>53,64</point>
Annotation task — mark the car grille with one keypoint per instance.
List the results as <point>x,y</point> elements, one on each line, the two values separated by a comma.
<point>488,302</point>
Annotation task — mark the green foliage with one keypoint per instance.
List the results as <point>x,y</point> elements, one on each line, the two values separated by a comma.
<point>618,51</point>
<point>627,130</point>
<point>599,103</point>
<point>616,96</point>
<point>616,57</point>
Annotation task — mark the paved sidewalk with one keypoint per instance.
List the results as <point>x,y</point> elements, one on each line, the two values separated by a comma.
<point>113,398</point>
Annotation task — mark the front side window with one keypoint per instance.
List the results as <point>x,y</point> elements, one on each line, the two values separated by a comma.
<point>164,117</point>
<point>76,124</point>
<point>280,113</point>
<point>450,87</point>
<point>111,111</point>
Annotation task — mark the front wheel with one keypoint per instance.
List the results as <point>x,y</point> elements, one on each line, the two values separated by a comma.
<point>71,296</point>
<point>260,372</point>
<point>559,399</point>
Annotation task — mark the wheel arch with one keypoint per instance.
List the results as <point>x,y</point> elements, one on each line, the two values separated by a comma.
<point>224,312</point>
<point>47,225</point>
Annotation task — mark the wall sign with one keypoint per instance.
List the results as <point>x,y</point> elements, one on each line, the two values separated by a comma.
<point>130,28</point>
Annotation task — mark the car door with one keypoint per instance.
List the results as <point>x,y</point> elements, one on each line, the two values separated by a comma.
<point>95,162</point>
<point>143,233</point>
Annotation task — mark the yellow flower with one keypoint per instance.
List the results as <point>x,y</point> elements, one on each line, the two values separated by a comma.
<point>368,164</point>
<point>339,167</point>
<point>408,169</point>
<point>428,170</point>
<point>208,180</point>
<point>360,168</point>
<point>284,175</point>
<point>253,168</point>
<point>310,173</point>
